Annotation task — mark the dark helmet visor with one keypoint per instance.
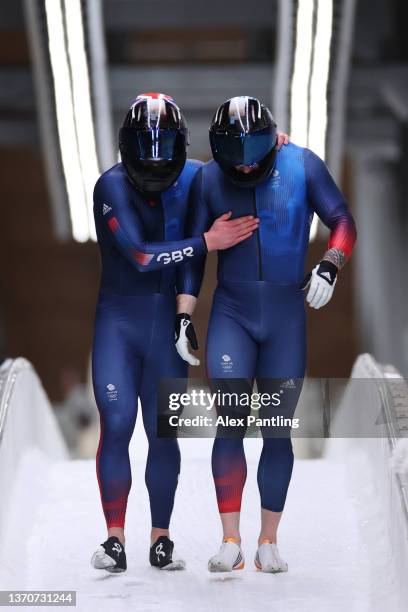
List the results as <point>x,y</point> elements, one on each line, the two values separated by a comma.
<point>243,149</point>
<point>154,144</point>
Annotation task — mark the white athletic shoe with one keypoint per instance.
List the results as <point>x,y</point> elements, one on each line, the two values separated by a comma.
<point>110,556</point>
<point>268,559</point>
<point>100,560</point>
<point>230,557</point>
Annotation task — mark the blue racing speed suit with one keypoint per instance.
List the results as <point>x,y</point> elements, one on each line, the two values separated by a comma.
<point>257,324</point>
<point>141,244</point>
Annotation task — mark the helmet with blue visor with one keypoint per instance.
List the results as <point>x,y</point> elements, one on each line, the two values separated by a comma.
<point>243,133</point>
<point>153,143</point>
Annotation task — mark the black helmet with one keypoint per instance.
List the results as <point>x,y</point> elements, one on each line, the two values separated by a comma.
<point>153,142</point>
<point>243,133</point>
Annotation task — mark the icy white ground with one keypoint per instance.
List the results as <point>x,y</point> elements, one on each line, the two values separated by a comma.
<point>336,561</point>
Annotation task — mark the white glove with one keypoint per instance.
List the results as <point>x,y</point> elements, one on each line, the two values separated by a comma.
<point>320,282</point>
<point>185,336</point>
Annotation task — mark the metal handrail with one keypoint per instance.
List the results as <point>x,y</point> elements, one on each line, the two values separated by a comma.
<point>396,430</point>
<point>8,376</point>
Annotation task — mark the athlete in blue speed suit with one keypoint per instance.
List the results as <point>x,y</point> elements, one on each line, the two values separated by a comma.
<point>139,208</point>
<point>133,346</point>
<point>257,324</point>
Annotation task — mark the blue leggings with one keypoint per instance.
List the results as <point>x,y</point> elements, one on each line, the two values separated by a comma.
<point>133,348</point>
<point>256,331</point>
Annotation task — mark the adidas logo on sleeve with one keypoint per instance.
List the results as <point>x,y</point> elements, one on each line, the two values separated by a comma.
<point>106,209</point>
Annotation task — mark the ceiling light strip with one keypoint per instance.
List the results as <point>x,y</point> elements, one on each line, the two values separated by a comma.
<point>299,111</point>
<point>83,114</point>
<point>66,119</point>
<point>320,77</point>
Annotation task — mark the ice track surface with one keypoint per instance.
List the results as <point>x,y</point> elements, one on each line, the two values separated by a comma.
<point>336,561</point>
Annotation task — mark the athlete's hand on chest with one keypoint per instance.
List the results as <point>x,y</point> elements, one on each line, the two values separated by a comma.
<point>320,282</point>
<point>226,232</point>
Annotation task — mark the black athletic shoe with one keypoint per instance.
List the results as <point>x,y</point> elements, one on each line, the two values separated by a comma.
<point>110,556</point>
<point>162,555</point>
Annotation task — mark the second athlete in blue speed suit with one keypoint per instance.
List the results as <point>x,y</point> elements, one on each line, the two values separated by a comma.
<point>257,324</point>
<point>140,206</point>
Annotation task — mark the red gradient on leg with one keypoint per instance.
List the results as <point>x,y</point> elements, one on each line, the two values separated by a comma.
<point>114,510</point>
<point>229,488</point>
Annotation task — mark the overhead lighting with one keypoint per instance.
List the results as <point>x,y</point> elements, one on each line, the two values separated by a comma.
<point>310,78</point>
<point>299,109</point>
<point>81,91</point>
<point>73,111</point>
<point>319,79</point>
<point>65,119</point>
